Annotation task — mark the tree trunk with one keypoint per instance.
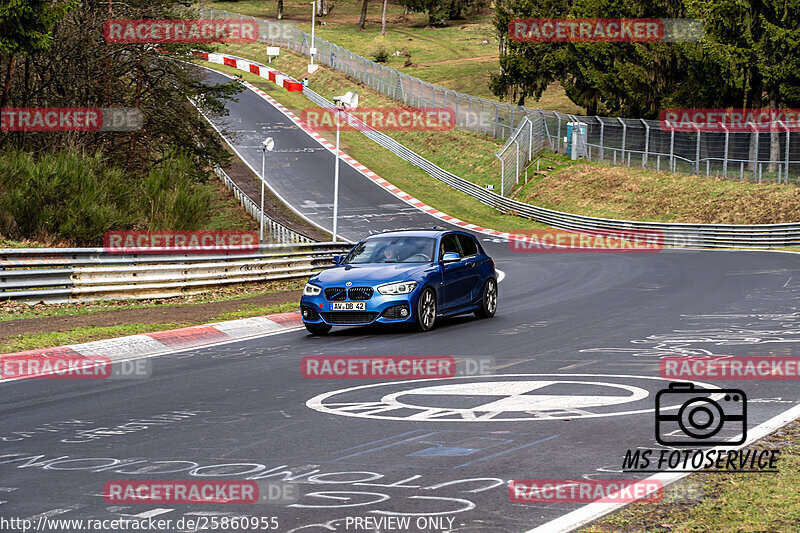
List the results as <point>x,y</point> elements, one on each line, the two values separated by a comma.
<point>280,9</point>
<point>7,88</point>
<point>753,101</point>
<point>363,15</point>
<point>774,136</point>
<point>324,4</point>
<point>383,18</point>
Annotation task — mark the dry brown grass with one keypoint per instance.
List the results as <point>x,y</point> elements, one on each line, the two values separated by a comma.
<point>617,192</point>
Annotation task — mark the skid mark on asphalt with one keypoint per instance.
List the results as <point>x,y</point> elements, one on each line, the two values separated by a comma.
<point>579,363</point>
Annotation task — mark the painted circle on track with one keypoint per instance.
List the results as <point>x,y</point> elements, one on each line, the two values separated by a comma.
<point>495,398</point>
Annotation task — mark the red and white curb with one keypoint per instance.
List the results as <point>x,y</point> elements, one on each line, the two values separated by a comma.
<point>269,73</point>
<point>249,66</point>
<point>164,342</point>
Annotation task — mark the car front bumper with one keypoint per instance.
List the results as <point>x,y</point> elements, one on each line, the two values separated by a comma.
<point>382,309</point>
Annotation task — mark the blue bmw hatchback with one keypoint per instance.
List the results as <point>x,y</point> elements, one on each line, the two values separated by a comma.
<point>402,277</point>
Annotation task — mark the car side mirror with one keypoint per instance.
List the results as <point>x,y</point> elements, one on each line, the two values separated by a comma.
<point>451,257</point>
<point>337,259</point>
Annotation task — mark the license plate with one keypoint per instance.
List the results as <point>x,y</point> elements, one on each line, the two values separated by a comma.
<point>349,306</point>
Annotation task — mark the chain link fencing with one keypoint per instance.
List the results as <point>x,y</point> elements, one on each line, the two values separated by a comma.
<point>630,142</point>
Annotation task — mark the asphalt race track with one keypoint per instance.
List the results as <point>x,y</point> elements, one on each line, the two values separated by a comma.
<point>301,171</point>
<point>576,340</point>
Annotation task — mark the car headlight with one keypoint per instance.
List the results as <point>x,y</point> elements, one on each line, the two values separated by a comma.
<point>405,287</point>
<point>311,290</point>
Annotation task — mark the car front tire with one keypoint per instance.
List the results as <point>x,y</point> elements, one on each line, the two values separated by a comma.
<point>426,310</point>
<point>489,300</point>
<point>318,329</point>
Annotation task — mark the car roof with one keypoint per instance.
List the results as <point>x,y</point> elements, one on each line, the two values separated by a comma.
<point>411,233</point>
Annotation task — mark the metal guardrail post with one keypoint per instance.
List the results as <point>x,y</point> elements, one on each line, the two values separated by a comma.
<point>530,140</point>
<point>697,152</point>
<point>671,147</point>
<point>624,133</point>
<point>602,147</point>
<point>725,154</point>
<point>502,175</point>
<point>755,150</point>
<point>558,133</point>
<point>483,115</point>
<point>646,143</point>
<point>786,156</point>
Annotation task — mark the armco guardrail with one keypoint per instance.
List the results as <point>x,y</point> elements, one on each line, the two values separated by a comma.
<point>274,231</point>
<point>71,274</point>
<point>674,234</point>
<point>614,140</point>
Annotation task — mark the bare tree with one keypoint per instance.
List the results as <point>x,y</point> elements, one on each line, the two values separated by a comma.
<point>383,18</point>
<point>363,15</point>
<point>137,76</point>
<point>280,9</point>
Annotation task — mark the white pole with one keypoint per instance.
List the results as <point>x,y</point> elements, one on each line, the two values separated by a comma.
<point>336,180</point>
<point>313,23</point>
<point>263,158</point>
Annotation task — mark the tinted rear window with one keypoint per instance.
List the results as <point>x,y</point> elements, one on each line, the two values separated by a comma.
<point>468,245</point>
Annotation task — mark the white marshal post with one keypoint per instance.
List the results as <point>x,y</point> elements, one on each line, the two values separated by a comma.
<point>343,103</point>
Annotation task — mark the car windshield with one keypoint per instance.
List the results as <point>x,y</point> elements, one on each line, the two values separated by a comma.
<point>393,250</point>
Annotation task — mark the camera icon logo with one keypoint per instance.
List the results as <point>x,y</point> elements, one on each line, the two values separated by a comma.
<point>710,416</point>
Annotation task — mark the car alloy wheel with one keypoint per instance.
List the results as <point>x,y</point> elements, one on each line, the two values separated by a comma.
<point>489,301</point>
<point>426,310</point>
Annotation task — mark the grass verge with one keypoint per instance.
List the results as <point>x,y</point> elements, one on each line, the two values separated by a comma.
<point>31,341</point>
<point>602,190</point>
<point>723,502</point>
<point>459,56</point>
<point>582,187</point>
<point>12,310</point>
<point>399,172</point>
